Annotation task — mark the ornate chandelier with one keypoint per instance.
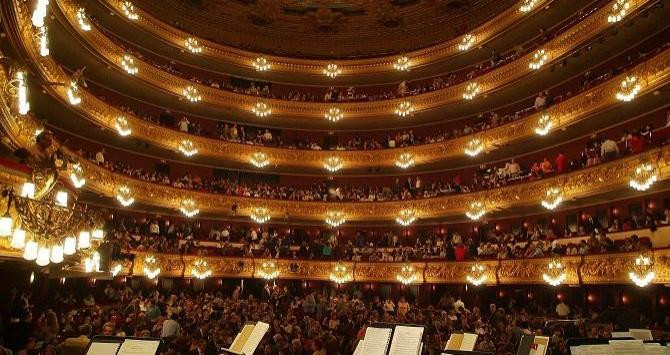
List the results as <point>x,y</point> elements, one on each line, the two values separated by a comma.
<point>405,160</point>
<point>188,207</point>
<point>40,13</point>
<point>406,217</point>
<point>73,93</point>
<point>553,198</point>
<point>193,46</point>
<point>474,147</point>
<point>261,109</point>
<point>618,11</point>
<point>261,64</point>
<point>334,114</point>
<point>407,274</point>
<point>17,88</point>
<point>476,210</point>
<point>200,269</point>
<point>128,64</point>
<point>260,215</point>
<point>83,20</point>
<point>643,177</point>
<point>471,91</point>
<point>192,94</point>
<point>129,10</point>
<point>122,126</point>
<point>642,272</point>
<point>628,89</point>
<point>268,270</point>
<point>527,5</point>
<point>404,108</point>
<point>544,125</point>
<point>335,218</point>
<point>467,42</point>
<point>555,273</point>
<point>259,160</point>
<point>125,196</point>
<point>77,175</point>
<point>477,274</point>
<point>340,273</point>
<point>43,41</point>
<point>402,64</point>
<point>539,58</point>
<point>187,148</point>
<point>333,164</point>
<point>332,70</point>
<point>151,267</point>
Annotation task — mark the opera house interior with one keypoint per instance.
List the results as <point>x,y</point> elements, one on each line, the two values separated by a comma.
<point>369,177</point>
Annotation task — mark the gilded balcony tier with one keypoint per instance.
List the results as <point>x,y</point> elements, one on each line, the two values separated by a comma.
<point>652,74</point>
<point>497,78</point>
<point>243,58</point>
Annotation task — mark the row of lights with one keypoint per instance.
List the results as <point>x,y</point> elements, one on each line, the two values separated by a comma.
<point>38,16</point>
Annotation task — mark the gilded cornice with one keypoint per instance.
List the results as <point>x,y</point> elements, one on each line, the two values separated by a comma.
<point>497,78</point>
<point>244,58</point>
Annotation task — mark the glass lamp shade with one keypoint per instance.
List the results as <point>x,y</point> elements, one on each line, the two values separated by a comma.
<point>6,226</point>
<point>61,198</point>
<point>18,239</point>
<point>56,254</point>
<point>84,240</point>
<point>28,190</point>
<point>43,255</point>
<point>98,234</point>
<point>31,250</point>
<point>70,246</point>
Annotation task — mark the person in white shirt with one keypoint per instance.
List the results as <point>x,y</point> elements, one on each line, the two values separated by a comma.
<point>562,309</point>
<point>183,124</point>
<point>609,149</point>
<point>100,157</point>
<point>171,328</point>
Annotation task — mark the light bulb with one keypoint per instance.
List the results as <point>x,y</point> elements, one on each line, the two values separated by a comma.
<point>28,190</point>
<point>84,240</point>
<point>98,234</point>
<point>30,252</point>
<point>61,198</point>
<point>6,224</point>
<point>43,254</point>
<point>56,254</point>
<point>70,246</point>
<point>18,239</point>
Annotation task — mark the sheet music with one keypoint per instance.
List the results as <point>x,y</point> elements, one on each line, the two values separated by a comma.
<point>603,349</point>
<point>138,347</point>
<point>241,338</point>
<point>97,348</point>
<point>469,341</point>
<point>622,335</point>
<point>540,345</point>
<point>255,338</point>
<point>626,347</point>
<point>641,334</point>
<point>376,341</point>
<point>655,349</point>
<point>406,340</point>
<point>454,342</point>
<point>359,348</point>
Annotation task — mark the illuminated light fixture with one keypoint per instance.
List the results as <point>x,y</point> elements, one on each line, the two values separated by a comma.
<point>28,190</point>
<point>188,207</point>
<point>92,263</point>
<point>261,109</point>
<point>122,126</point>
<point>527,5</point>
<point>333,164</point>
<point>97,234</point>
<point>539,58</point>
<point>406,217</point>
<point>471,91</point>
<point>467,42</point>
<point>21,93</point>
<point>340,273</point>
<point>555,273</point>
<point>260,215</point>
<point>476,210</point>
<point>151,267</point>
<point>44,41</point>
<point>128,64</point>
<point>475,147</point>
<point>84,241</point>
<point>77,176</point>
<point>83,20</point>
<point>335,218</point>
<point>56,256</point>
<point>192,94</point>
<point>628,89</point>
<point>642,272</point>
<point>70,246</point>
<point>407,274</point>
<point>43,256</point>
<point>334,114</point>
<point>31,250</point>
<point>544,125</point>
<point>18,239</point>
<point>261,64</point>
<point>193,46</point>
<point>73,93</point>
<point>259,160</point>
<point>200,269</point>
<point>643,177</point>
<point>6,225</point>
<point>61,198</point>
<point>268,270</point>
<point>402,64</point>
<point>187,148</point>
<point>404,108</point>
<point>553,198</point>
<point>40,13</point>
<point>405,160</point>
<point>477,275</point>
<point>129,10</point>
<point>619,10</point>
<point>116,268</point>
<point>332,70</point>
<point>125,196</point>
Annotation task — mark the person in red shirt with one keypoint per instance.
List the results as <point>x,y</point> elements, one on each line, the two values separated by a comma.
<point>636,143</point>
<point>460,251</point>
<point>560,163</point>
